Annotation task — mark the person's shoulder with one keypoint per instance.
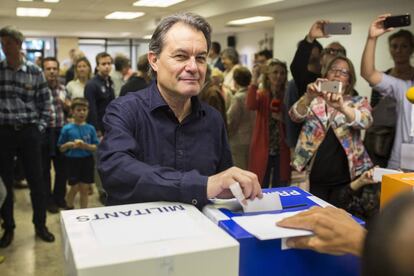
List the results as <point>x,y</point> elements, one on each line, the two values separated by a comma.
<point>210,111</point>
<point>32,68</point>
<point>71,83</point>
<point>67,127</point>
<point>131,101</point>
<point>90,127</point>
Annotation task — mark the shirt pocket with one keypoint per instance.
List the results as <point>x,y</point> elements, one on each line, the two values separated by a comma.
<point>26,90</point>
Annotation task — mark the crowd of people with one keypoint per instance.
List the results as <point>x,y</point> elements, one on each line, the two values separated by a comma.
<point>200,122</point>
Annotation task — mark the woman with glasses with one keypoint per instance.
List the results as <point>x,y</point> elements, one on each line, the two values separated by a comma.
<point>329,145</point>
<point>269,154</point>
<point>388,85</point>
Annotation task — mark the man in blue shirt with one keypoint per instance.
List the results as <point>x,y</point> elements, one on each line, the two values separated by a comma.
<point>163,143</point>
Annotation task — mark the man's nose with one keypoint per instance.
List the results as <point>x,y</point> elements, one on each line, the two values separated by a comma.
<point>191,65</point>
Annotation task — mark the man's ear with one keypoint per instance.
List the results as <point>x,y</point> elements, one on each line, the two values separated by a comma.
<point>152,59</point>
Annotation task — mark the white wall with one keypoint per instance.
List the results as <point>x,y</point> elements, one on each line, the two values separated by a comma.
<point>292,26</point>
<point>247,43</point>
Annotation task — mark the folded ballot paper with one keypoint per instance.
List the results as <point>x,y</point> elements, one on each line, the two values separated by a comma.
<point>269,202</point>
<point>263,226</point>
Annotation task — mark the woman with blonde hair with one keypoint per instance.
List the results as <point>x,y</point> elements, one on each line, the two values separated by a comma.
<point>83,73</point>
<point>269,153</point>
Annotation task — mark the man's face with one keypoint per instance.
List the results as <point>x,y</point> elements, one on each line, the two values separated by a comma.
<point>51,71</point>
<point>332,50</point>
<point>181,66</point>
<point>261,60</point>
<point>11,47</point>
<point>401,50</point>
<point>104,66</point>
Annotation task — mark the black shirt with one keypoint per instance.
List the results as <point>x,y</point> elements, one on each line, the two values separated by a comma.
<point>133,84</point>
<point>299,66</point>
<point>330,167</point>
<point>99,92</point>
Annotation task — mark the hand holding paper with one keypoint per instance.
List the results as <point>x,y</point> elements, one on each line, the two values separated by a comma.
<point>269,201</point>
<point>218,185</point>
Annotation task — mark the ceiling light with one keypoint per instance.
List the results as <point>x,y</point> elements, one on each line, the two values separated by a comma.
<point>157,3</point>
<point>46,1</point>
<point>250,20</point>
<point>124,15</point>
<point>147,36</point>
<point>33,12</point>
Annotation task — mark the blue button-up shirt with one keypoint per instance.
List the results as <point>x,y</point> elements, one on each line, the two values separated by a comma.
<point>148,155</point>
<point>24,95</point>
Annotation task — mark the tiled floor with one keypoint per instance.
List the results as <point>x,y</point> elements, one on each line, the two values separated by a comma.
<point>28,255</point>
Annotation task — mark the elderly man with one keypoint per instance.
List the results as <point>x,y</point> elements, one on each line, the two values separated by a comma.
<point>163,143</point>
<point>24,116</point>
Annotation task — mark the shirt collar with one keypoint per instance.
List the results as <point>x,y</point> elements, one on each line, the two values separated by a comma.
<point>22,66</point>
<point>102,79</point>
<point>157,101</point>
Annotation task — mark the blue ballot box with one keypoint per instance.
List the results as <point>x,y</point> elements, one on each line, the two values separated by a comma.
<point>266,257</point>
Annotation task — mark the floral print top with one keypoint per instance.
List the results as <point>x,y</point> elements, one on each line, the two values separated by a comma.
<point>318,118</point>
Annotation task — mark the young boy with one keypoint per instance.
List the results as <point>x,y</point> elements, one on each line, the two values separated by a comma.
<point>78,140</point>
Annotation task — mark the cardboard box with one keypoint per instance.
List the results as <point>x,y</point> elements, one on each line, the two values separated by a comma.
<point>159,238</point>
<point>394,184</point>
<point>265,257</point>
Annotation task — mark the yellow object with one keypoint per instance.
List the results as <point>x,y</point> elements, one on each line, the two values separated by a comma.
<point>394,184</point>
<point>2,258</point>
<point>410,94</point>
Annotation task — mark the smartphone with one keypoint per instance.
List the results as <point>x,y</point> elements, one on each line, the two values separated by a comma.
<point>338,28</point>
<point>397,21</point>
<point>330,86</point>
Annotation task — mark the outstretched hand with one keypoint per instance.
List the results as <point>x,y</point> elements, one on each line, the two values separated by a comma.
<point>335,231</point>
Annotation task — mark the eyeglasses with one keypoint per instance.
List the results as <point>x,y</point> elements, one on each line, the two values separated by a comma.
<point>333,51</point>
<point>343,72</point>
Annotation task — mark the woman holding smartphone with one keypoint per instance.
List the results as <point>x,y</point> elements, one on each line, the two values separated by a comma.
<point>396,88</point>
<point>329,145</point>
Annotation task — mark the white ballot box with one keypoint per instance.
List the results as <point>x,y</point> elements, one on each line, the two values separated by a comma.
<point>157,238</point>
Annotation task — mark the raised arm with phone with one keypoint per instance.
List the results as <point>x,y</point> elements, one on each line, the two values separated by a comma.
<point>391,86</point>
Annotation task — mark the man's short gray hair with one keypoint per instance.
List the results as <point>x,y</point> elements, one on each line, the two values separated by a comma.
<point>194,20</point>
<point>12,32</point>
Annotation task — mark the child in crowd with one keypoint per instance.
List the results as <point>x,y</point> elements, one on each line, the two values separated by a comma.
<point>78,140</point>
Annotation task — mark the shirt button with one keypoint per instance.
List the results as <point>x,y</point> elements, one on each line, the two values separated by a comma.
<point>194,201</point>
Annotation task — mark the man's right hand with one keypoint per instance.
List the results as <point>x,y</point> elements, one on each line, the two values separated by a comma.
<point>316,31</point>
<point>218,184</point>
